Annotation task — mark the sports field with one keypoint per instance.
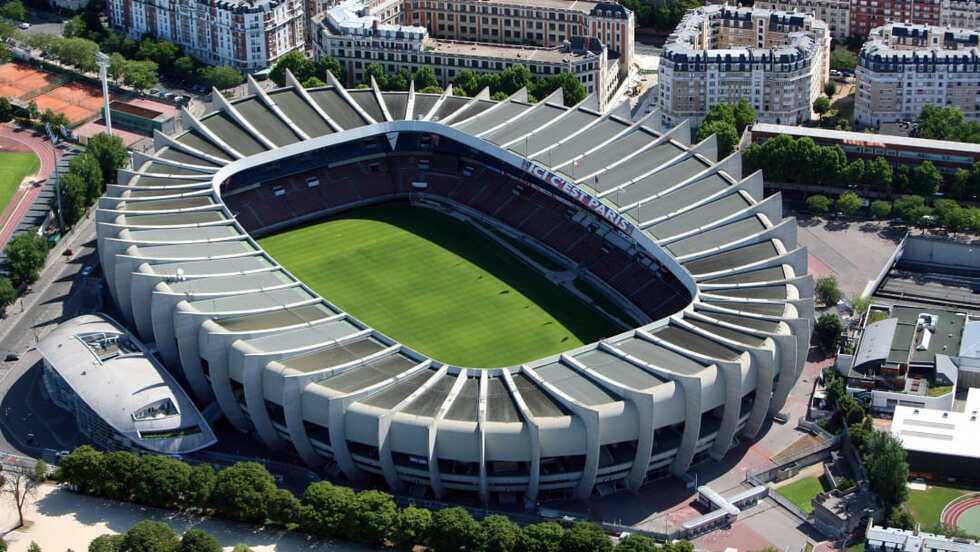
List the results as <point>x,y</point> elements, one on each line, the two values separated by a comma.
<point>14,166</point>
<point>437,285</point>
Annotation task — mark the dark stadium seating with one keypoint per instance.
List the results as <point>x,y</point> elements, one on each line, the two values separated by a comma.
<point>508,200</point>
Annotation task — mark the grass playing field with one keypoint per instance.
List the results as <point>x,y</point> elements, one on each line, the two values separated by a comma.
<point>801,492</point>
<point>926,506</point>
<point>14,166</point>
<point>437,285</point>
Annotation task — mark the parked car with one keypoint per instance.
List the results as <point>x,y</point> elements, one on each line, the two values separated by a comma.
<point>154,91</point>
<point>24,25</point>
<point>87,270</point>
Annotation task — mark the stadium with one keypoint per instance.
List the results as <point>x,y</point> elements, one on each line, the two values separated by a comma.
<point>313,260</point>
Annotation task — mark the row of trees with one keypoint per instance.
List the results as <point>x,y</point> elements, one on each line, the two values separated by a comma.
<point>910,209</point>
<point>727,121</point>
<point>785,159</point>
<point>247,492</point>
<point>88,174</point>
<point>153,536</point>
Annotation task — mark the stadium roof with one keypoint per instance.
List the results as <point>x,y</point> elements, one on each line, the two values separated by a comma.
<point>114,375</point>
<point>696,215</point>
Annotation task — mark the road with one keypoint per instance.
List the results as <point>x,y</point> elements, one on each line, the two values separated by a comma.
<point>60,293</point>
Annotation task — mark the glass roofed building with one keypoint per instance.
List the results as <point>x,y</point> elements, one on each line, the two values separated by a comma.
<point>708,271</point>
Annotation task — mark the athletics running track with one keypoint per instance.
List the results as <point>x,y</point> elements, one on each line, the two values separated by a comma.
<point>15,139</point>
<point>955,509</point>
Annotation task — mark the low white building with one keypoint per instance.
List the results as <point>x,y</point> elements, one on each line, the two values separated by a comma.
<point>889,539</point>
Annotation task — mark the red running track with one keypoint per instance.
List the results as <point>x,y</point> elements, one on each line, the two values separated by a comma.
<point>952,513</point>
<point>14,139</point>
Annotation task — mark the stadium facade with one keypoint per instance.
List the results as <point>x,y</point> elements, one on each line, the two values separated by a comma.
<point>709,269</point>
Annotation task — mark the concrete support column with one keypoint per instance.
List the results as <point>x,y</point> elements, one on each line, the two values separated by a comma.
<point>186,324</point>
<point>254,370</point>
<point>732,374</point>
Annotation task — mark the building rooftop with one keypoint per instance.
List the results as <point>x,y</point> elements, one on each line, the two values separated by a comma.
<point>940,431</point>
<point>910,335</point>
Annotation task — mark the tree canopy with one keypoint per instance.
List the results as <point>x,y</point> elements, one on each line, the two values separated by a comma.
<point>243,491</point>
<point>888,469</point>
<point>26,254</point>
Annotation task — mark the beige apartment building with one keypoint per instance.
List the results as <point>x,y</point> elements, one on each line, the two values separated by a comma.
<point>903,67</point>
<point>779,61</point>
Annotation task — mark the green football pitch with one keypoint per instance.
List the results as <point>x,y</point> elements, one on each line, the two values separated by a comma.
<point>437,285</point>
<point>14,166</point>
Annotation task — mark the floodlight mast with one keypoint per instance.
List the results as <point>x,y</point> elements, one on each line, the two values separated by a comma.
<point>102,60</point>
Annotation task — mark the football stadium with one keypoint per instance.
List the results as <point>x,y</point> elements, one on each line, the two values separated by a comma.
<point>461,297</point>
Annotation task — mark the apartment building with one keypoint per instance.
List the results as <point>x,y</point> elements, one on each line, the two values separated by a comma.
<point>719,54</point>
<point>963,14</point>
<point>870,14</point>
<point>248,35</point>
<point>357,40</point>
<point>835,13</point>
<point>904,67</point>
<point>542,23</point>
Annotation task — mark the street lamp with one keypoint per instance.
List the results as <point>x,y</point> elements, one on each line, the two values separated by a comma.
<point>102,61</point>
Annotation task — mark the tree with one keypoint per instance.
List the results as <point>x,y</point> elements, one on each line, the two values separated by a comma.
<point>106,543</point>
<point>828,291</point>
<point>881,209</point>
<point>20,483</point>
<point>242,492</point>
<point>848,203</point>
<point>843,60</point>
<point>431,90</point>
<point>455,529</point>
<point>726,134</point>
<point>571,89</point>
<point>818,204</point>
<point>221,76</point>
<point>241,547</point>
<point>515,77</point>
<point>295,61</point>
<point>860,305</point>
<point>87,167</point>
<point>160,481</point>
<point>500,534</point>
<point>938,123</point>
<point>326,509</point>
<point>377,71</point>
<point>149,536</point>
<point>373,517</point>
<point>878,174</point>
<point>73,199</point>
<point>830,88</point>
<point>75,26</point>
<point>140,74</point>
<point>110,152</point>
<point>7,294</point>
<point>585,537</point>
<point>79,52</point>
<point>26,254</point>
<point>412,527</point>
<point>888,470</point>
<point>33,547</point>
<point>900,518</point>
<point>636,543</point>
<point>821,106</point>
<point>118,468</point>
<point>329,64</point>
<point>313,82</point>
<point>200,485</point>
<point>827,332</point>
<point>424,77</point>
<point>14,9</point>
<point>82,469</point>
<point>195,540</point>
<point>541,537</point>
<point>161,52</point>
<point>399,81</point>
<point>744,114</point>
<point>185,67</point>
<point>284,507</point>
<point>925,179</point>
<point>854,173</point>
<point>466,82</point>
<point>6,109</point>
<point>117,66</point>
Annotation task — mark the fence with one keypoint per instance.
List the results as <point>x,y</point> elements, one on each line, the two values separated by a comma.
<point>894,258</point>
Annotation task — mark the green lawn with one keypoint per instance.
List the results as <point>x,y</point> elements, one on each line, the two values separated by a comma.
<point>926,506</point>
<point>14,166</point>
<point>801,492</point>
<point>437,285</point>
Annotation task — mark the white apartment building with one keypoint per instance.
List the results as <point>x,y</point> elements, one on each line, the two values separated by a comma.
<point>248,35</point>
<point>357,40</point>
<point>962,14</point>
<point>902,68</point>
<point>779,61</point>
<point>835,13</point>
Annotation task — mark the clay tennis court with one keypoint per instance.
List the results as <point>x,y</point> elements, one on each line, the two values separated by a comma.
<point>19,80</point>
<point>77,101</point>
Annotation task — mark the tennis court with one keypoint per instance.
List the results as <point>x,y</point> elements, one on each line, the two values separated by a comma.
<point>77,101</point>
<point>18,81</point>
